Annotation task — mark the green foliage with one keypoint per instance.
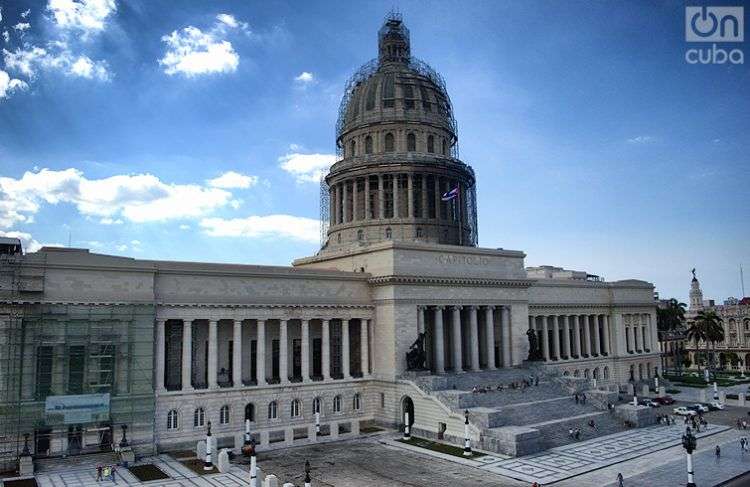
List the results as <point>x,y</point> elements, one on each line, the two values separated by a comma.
<point>672,316</point>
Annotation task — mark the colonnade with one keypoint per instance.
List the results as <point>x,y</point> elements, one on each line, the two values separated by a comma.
<point>638,333</point>
<point>269,341</point>
<point>564,337</point>
<point>391,195</point>
<point>473,337</point>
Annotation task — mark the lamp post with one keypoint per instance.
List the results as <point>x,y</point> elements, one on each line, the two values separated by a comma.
<point>716,392</point>
<point>124,440</point>
<point>467,440</point>
<point>689,443</point>
<point>308,480</point>
<point>253,465</point>
<point>317,423</point>
<point>247,431</point>
<point>207,465</point>
<point>407,431</point>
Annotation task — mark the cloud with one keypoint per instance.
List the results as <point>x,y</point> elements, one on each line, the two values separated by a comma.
<point>305,78</point>
<point>56,56</point>
<point>270,226</point>
<point>642,139</point>
<point>25,13</point>
<point>111,221</point>
<point>192,52</point>
<point>86,16</point>
<point>184,227</point>
<point>306,168</point>
<point>136,198</point>
<point>231,179</point>
<point>28,243</point>
<point>22,26</point>
<point>8,85</point>
<point>6,36</point>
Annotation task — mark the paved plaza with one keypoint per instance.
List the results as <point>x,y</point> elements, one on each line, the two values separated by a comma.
<point>578,458</point>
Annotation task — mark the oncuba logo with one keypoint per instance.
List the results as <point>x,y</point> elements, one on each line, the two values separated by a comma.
<point>714,25</point>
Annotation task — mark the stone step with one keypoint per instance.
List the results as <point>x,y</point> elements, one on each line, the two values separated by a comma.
<point>529,413</point>
<point>556,432</point>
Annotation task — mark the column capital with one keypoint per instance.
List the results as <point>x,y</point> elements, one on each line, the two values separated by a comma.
<point>457,307</point>
<point>439,308</point>
<point>491,306</point>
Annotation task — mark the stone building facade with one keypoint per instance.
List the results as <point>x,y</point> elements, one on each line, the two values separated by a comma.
<point>325,339</point>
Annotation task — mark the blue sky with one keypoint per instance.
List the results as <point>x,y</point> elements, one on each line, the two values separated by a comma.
<point>196,130</point>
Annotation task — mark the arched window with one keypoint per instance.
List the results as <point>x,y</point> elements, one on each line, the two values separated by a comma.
<point>426,106</point>
<point>368,145</point>
<point>338,238</point>
<point>272,410</point>
<point>445,148</point>
<point>576,373</point>
<point>352,148</point>
<point>356,403</point>
<point>430,144</point>
<point>250,412</point>
<point>586,374</point>
<point>411,142</point>
<point>337,404</point>
<point>199,418</point>
<point>389,144</point>
<point>172,420</point>
<point>370,100</point>
<point>606,373</point>
<point>224,415</point>
<point>296,408</point>
<point>388,233</point>
<point>640,371</point>
<point>596,373</point>
<point>419,232</point>
<point>360,235</point>
<point>566,373</point>
<point>316,405</point>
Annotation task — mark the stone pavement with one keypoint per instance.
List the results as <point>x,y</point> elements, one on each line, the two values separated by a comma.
<point>85,476</point>
<point>708,469</point>
<point>578,458</point>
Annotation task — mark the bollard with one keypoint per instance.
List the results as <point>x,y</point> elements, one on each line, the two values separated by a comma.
<point>467,440</point>
<point>272,481</point>
<point>207,465</point>
<point>308,480</point>
<point>407,433</point>
<point>253,466</point>
<point>635,400</point>
<point>247,432</point>
<point>317,423</point>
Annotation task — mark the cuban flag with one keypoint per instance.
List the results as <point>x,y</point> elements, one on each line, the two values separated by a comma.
<point>450,194</point>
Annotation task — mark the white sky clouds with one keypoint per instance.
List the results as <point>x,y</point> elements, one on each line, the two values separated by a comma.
<point>232,179</point>
<point>306,168</point>
<point>642,139</point>
<point>284,226</point>
<point>28,243</point>
<point>137,198</point>
<point>56,56</point>
<point>305,77</point>
<point>86,16</point>
<point>8,85</point>
<point>192,52</point>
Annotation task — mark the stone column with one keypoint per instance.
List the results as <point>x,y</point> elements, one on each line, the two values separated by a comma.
<point>607,338</point>
<point>381,197</point>
<point>345,202</point>
<point>505,330</point>
<point>474,335</point>
<point>187,351</point>
<point>237,354</point>
<point>332,206</point>
<point>420,319</point>
<point>545,336</point>
<point>283,351</point>
<point>395,196</point>
<point>345,366</point>
<point>160,354</point>
<point>305,353</point>
<point>326,352</point>
<point>367,197</point>
<point>556,336</point>
<point>364,352</point>
<point>628,339</point>
<point>355,200</point>
<point>410,195</point>
<point>597,341</point>
<point>456,324</point>
<point>337,203</point>
<point>566,336</point>
<point>438,195</point>
<point>489,336</point>
<point>260,337</point>
<point>425,208</point>
<point>577,336</point>
<point>439,346</point>
<point>213,342</point>
<point>586,336</point>
<point>636,343</point>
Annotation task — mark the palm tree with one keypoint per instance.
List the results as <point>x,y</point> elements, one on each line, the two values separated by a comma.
<point>672,316</point>
<point>697,333</point>
<point>713,330</point>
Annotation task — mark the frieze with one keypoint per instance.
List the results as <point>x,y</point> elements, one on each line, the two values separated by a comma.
<point>450,281</point>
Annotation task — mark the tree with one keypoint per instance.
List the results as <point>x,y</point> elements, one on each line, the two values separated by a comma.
<point>672,316</point>
<point>708,328</point>
<point>697,333</point>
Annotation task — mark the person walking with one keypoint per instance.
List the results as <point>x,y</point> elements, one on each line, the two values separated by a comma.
<point>619,480</point>
<point>114,471</point>
<point>576,397</point>
<point>583,398</point>
<point>717,452</point>
<point>742,444</point>
<point>98,473</point>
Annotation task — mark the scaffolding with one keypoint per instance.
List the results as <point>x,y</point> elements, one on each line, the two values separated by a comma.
<point>325,205</point>
<point>71,375</point>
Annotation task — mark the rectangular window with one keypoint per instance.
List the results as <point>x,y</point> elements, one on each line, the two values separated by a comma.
<point>76,368</point>
<point>317,357</point>
<point>173,354</point>
<point>101,367</point>
<point>275,355</point>
<point>44,360</point>
<point>254,359</point>
<point>297,358</point>
<point>230,352</point>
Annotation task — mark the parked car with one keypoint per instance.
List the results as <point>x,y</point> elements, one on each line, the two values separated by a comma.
<point>649,402</point>
<point>715,406</point>
<point>683,411</point>
<point>701,407</point>
<point>666,400</point>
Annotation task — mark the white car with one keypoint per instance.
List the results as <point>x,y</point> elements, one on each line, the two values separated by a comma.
<point>716,405</point>
<point>701,407</point>
<point>683,411</point>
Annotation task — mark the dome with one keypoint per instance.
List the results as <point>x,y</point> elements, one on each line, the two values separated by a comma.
<point>395,87</point>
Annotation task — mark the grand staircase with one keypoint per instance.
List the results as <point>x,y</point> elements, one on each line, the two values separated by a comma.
<point>525,420</point>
